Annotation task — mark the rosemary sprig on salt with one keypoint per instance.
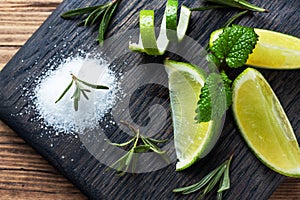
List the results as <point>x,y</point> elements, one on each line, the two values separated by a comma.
<point>79,89</point>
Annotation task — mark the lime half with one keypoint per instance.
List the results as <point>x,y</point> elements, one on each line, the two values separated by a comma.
<point>192,140</point>
<point>273,50</point>
<point>264,124</point>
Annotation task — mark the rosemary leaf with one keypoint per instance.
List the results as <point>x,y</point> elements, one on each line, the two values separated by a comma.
<point>242,4</point>
<point>76,104</point>
<point>80,11</point>
<point>157,141</point>
<point>203,8</point>
<point>86,90</point>
<point>155,148</point>
<point>214,181</point>
<point>123,163</point>
<point>76,94</point>
<point>65,91</point>
<point>225,184</point>
<point>134,162</point>
<point>81,23</point>
<point>105,21</point>
<point>97,17</point>
<point>235,17</point>
<point>209,182</point>
<point>76,97</point>
<point>141,149</point>
<point>93,15</point>
<point>197,186</point>
<point>120,161</point>
<point>84,94</point>
<point>152,146</point>
<point>129,157</point>
<point>123,144</point>
<point>158,151</point>
<point>92,85</point>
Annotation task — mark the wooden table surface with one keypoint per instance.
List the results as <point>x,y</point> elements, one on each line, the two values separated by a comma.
<point>24,174</point>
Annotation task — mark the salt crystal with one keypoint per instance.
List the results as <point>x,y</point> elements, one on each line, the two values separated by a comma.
<point>62,115</point>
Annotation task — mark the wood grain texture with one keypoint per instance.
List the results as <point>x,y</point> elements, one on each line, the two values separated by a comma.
<point>18,21</point>
<point>23,173</point>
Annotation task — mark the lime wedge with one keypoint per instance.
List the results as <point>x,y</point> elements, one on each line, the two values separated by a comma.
<point>192,140</point>
<point>273,50</point>
<point>264,124</point>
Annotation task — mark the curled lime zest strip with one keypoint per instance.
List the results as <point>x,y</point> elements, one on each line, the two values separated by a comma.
<point>169,31</point>
<point>147,32</point>
<point>171,19</point>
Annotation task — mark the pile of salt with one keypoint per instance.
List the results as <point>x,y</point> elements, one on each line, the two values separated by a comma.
<point>62,116</point>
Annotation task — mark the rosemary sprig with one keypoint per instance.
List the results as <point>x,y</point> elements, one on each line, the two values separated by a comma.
<point>241,4</point>
<point>101,13</point>
<point>235,17</point>
<point>140,144</point>
<point>79,89</point>
<point>206,184</point>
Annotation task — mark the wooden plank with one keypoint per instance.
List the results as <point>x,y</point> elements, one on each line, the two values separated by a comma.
<point>25,174</point>
<point>28,195</point>
<point>18,21</point>
<point>7,53</point>
<point>15,159</point>
<point>289,189</point>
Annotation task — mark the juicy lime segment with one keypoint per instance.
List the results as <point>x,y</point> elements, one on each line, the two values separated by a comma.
<point>273,50</point>
<point>192,140</point>
<point>264,124</point>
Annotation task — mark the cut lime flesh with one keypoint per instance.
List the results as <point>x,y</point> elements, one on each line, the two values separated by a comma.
<point>273,50</point>
<point>264,124</point>
<point>192,140</point>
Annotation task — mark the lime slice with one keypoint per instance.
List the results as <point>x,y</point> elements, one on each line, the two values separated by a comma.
<point>273,50</point>
<point>264,124</point>
<point>192,140</point>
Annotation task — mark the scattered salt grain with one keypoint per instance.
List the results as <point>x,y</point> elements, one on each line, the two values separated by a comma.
<point>62,115</point>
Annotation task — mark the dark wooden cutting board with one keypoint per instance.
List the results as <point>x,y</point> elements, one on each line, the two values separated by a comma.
<point>250,179</point>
